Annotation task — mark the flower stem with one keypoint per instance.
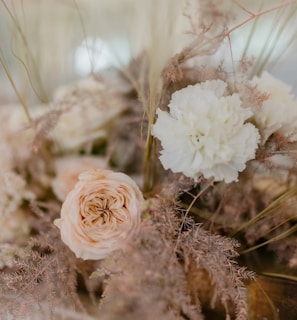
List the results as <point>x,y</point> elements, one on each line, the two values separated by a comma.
<point>149,161</point>
<point>260,13</point>
<point>148,180</point>
<point>21,100</point>
<point>42,96</point>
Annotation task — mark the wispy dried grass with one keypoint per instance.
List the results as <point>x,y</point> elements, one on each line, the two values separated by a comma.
<point>43,278</point>
<point>160,275</point>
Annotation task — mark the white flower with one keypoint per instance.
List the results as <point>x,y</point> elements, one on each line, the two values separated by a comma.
<point>205,133</point>
<point>100,214</point>
<point>89,106</point>
<point>68,169</point>
<point>279,112</point>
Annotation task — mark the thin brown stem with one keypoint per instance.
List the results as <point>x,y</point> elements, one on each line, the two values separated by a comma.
<point>188,210</point>
<point>242,7</point>
<point>258,14</point>
<point>12,83</point>
<point>42,96</point>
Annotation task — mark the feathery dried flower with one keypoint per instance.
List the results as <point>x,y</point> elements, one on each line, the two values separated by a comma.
<point>278,113</point>
<point>205,132</point>
<point>8,252</point>
<point>100,214</point>
<point>13,220</point>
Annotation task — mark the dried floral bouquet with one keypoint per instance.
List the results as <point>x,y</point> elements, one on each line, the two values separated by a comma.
<point>153,191</point>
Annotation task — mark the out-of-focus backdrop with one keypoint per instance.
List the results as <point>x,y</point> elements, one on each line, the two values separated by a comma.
<point>47,43</point>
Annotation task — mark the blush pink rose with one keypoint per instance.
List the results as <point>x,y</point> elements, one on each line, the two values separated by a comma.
<point>100,214</point>
<point>68,169</point>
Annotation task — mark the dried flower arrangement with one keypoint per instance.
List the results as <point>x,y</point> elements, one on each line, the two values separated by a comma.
<point>157,190</point>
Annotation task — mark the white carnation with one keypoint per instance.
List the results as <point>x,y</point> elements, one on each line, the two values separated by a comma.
<point>205,133</point>
<point>279,112</point>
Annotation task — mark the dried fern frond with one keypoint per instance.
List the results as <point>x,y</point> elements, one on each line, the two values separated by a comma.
<point>43,279</point>
<point>147,281</point>
<point>157,273</point>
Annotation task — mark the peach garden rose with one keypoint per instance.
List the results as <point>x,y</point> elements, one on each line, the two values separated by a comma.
<point>100,214</point>
<point>67,170</point>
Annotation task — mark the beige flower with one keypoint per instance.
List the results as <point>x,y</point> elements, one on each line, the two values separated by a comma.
<point>89,106</point>
<point>14,139</point>
<point>17,134</point>
<point>68,169</point>
<point>279,112</point>
<point>100,213</point>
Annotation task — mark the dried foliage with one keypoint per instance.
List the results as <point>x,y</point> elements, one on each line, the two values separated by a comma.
<point>43,278</point>
<point>159,275</point>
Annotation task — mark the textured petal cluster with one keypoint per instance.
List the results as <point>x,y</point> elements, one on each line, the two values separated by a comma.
<point>100,214</point>
<point>279,112</point>
<point>89,107</point>
<point>205,133</point>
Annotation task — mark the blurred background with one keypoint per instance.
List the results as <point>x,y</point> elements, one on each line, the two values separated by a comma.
<point>48,43</point>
